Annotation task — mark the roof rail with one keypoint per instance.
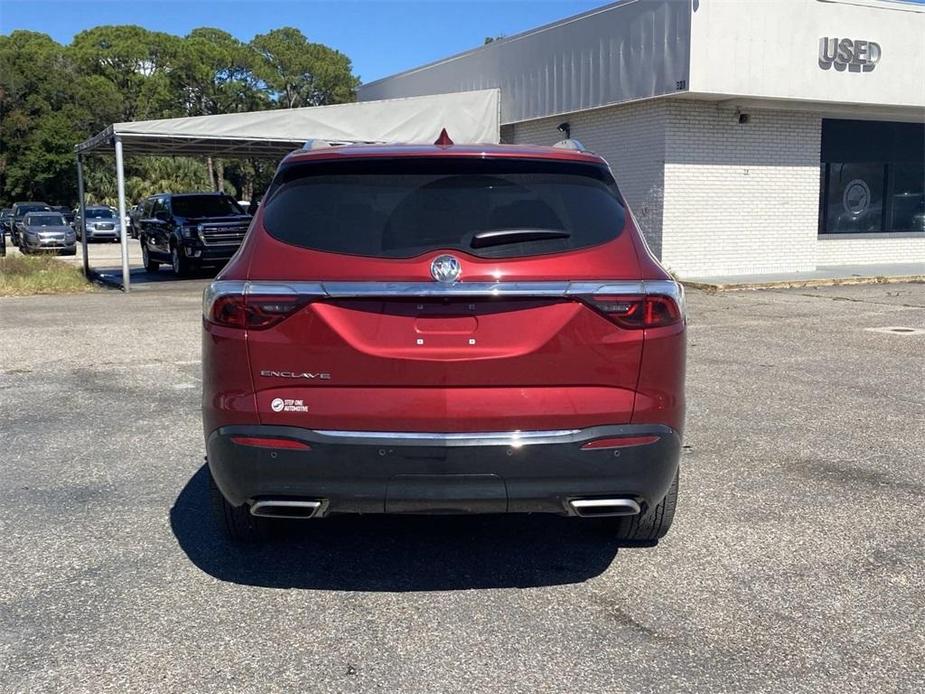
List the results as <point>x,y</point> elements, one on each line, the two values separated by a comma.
<point>571,144</point>
<point>316,144</point>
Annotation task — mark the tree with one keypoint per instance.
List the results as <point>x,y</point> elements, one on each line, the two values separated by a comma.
<point>137,61</point>
<point>301,73</point>
<point>214,73</point>
<point>37,133</point>
<point>54,96</point>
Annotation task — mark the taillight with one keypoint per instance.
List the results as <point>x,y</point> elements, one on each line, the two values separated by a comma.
<point>228,311</point>
<point>637,311</point>
<point>251,311</point>
<point>263,312</point>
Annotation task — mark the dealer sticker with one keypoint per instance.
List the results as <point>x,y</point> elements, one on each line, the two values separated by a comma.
<point>287,405</point>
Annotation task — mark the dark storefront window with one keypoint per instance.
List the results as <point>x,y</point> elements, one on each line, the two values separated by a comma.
<point>873,178</point>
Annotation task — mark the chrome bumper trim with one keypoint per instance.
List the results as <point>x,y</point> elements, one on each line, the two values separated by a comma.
<point>510,439</point>
<point>343,290</point>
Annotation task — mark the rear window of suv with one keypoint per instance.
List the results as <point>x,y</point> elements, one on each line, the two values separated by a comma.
<point>23,210</point>
<point>492,208</point>
<point>204,206</point>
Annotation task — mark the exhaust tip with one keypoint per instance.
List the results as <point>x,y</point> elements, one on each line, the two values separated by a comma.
<point>588,508</point>
<point>285,508</point>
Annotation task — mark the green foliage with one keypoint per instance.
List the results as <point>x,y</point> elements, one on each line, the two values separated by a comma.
<point>54,96</point>
<point>136,61</point>
<point>301,73</point>
<point>144,176</point>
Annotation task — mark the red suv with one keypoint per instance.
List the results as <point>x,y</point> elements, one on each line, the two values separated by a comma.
<point>444,329</point>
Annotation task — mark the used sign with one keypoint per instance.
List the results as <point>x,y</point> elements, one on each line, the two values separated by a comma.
<point>854,55</point>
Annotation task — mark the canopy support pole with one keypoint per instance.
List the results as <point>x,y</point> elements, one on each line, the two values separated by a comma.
<point>81,216</point>
<point>120,182</point>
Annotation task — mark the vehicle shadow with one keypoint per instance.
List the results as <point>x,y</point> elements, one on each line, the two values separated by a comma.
<point>141,279</point>
<point>395,553</point>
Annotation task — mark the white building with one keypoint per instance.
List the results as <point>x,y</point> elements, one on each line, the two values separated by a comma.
<point>749,136</point>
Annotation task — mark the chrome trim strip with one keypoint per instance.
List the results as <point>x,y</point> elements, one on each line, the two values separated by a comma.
<point>285,288</point>
<point>343,290</point>
<point>425,289</point>
<point>501,436</point>
<point>375,289</point>
<point>512,439</point>
<point>393,439</point>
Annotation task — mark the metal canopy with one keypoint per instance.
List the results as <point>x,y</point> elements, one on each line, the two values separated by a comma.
<point>469,117</point>
<point>162,145</point>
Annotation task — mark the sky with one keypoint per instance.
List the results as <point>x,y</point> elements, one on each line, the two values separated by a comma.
<point>381,37</point>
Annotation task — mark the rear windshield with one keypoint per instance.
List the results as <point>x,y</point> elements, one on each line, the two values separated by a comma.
<point>23,210</point>
<point>402,208</point>
<point>45,220</point>
<point>204,206</point>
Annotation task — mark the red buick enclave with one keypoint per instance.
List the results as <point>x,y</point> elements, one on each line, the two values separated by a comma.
<point>444,329</point>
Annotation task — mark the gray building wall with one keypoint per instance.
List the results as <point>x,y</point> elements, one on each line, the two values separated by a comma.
<point>622,52</point>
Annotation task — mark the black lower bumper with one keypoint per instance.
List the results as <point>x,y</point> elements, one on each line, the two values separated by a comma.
<point>208,255</point>
<point>355,472</point>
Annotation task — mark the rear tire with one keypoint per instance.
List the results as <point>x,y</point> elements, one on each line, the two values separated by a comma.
<point>651,526</point>
<point>237,522</point>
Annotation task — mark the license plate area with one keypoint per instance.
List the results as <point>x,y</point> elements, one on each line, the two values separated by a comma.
<point>446,494</point>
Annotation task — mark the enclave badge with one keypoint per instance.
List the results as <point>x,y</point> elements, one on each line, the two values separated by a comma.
<point>268,373</point>
<point>445,269</point>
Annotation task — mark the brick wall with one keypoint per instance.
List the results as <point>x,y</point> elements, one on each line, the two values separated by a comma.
<point>845,250</point>
<point>740,198</point>
<point>631,138</point>
<point>714,196</point>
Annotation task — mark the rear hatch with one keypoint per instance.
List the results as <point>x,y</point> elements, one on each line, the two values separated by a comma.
<point>358,321</point>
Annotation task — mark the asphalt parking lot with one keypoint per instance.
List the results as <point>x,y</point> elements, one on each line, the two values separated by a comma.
<point>795,562</point>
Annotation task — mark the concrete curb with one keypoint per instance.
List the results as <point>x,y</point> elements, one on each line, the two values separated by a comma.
<point>797,283</point>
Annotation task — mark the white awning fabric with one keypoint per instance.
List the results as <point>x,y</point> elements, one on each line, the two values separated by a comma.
<point>469,118</point>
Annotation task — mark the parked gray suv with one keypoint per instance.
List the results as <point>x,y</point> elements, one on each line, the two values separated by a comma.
<point>20,210</point>
<point>102,224</point>
<point>47,231</point>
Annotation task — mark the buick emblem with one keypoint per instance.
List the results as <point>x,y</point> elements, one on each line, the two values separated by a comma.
<point>445,269</point>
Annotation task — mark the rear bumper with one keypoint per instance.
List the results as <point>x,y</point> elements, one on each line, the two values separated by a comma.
<point>377,472</point>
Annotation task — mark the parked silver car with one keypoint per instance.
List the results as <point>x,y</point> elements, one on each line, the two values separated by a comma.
<point>47,231</point>
<point>102,224</point>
